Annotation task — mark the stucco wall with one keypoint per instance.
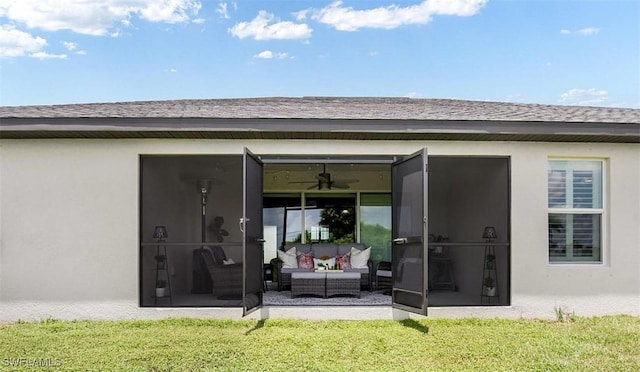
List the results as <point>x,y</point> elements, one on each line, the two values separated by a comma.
<point>69,225</point>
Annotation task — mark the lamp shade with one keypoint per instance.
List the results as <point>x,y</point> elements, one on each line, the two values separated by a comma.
<point>204,186</point>
<point>160,233</point>
<point>490,233</point>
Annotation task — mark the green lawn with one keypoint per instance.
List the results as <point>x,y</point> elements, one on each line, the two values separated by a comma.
<point>582,344</point>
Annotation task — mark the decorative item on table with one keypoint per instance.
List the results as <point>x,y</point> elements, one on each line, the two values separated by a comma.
<point>160,235</point>
<point>161,288</point>
<point>161,259</point>
<point>489,284</point>
<point>216,229</point>
<point>490,261</point>
<point>325,263</point>
<point>437,249</point>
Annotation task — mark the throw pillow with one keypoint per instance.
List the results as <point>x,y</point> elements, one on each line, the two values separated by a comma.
<point>328,263</point>
<point>288,258</point>
<point>218,254</point>
<point>359,258</point>
<point>344,261</point>
<point>305,260</point>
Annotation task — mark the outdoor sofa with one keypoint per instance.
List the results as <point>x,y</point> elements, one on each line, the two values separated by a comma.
<point>324,252</point>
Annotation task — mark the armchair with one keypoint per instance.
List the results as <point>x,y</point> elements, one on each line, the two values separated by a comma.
<point>227,279</point>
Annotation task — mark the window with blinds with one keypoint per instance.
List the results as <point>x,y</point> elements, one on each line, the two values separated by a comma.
<point>575,210</point>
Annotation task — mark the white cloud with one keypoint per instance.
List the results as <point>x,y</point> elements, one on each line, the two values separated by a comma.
<point>45,55</point>
<point>267,54</point>
<point>301,15</point>
<point>169,11</point>
<point>95,17</point>
<point>589,96</point>
<point>517,97</point>
<point>587,31</point>
<point>173,70</point>
<point>392,16</point>
<point>69,45</point>
<point>222,10</point>
<point>16,43</point>
<point>263,27</point>
<point>73,47</point>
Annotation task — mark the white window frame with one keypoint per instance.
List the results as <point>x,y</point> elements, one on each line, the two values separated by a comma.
<point>602,212</point>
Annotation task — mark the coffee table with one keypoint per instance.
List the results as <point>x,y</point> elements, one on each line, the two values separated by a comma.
<point>325,283</point>
<point>308,283</point>
<point>344,283</point>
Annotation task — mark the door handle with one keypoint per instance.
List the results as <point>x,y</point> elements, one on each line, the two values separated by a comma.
<point>400,241</point>
<point>241,223</point>
<point>261,241</point>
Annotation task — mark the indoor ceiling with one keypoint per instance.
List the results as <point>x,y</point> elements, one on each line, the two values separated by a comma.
<point>345,177</point>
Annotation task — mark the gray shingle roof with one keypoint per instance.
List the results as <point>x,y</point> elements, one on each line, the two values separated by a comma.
<point>324,118</point>
<point>331,108</point>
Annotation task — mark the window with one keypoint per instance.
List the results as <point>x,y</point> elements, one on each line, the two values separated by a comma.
<point>330,218</point>
<point>285,213</point>
<point>326,218</point>
<point>375,225</point>
<point>575,210</point>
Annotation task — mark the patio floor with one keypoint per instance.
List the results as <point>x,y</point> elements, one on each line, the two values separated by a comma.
<point>283,298</point>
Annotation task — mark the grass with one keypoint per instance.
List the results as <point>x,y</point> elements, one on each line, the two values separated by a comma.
<point>581,344</point>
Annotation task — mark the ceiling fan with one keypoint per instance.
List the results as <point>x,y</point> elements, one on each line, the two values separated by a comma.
<point>324,181</point>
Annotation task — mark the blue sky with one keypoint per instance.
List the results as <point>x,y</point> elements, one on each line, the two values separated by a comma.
<point>551,52</point>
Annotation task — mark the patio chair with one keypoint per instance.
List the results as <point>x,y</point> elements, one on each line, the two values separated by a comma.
<point>227,279</point>
<point>384,276</point>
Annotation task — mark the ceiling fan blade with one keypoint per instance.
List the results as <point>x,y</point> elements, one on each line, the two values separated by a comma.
<point>275,171</point>
<point>310,181</point>
<point>347,180</point>
<point>340,185</point>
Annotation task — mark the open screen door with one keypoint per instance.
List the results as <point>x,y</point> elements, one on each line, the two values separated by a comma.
<point>409,256</point>
<point>251,226</point>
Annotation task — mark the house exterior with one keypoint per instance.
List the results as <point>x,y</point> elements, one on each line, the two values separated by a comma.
<point>83,188</point>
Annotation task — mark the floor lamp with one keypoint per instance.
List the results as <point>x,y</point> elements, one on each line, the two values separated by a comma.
<point>201,279</point>
<point>204,186</point>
